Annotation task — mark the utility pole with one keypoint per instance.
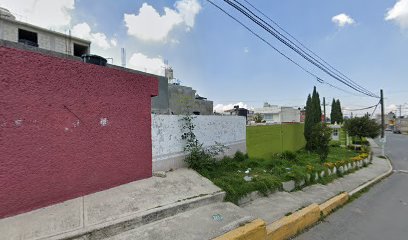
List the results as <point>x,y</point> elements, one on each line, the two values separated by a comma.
<point>382,114</point>
<point>324,109</point>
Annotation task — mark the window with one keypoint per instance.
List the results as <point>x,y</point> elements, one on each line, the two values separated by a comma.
<point>79,50</point>
<point>335,132</point>
<point>28,37</point>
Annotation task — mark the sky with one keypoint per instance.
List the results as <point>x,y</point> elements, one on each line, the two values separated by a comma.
<point>366,40</point>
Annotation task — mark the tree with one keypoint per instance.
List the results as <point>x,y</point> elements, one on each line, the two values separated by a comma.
<point>308,120</point>
<point>316,107</point>
<point>258,118</point>
<point>362,127</point>
<point>333,112</point>
<point>339,112</point>
<point>336,115</point>
<point>313,116</point>
<point>320,139</point>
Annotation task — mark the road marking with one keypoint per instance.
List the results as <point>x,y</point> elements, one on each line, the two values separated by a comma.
<point>401,171</point>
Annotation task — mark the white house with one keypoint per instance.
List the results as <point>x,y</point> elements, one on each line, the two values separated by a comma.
<point>275,114</point>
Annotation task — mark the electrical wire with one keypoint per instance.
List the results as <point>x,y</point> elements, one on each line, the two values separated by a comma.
<point>261,23</point>
<point>300,43</point>
<point>330,73</point>
<point>320,80</point>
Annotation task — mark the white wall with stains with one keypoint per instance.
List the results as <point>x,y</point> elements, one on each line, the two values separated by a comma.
<point>167,144</point>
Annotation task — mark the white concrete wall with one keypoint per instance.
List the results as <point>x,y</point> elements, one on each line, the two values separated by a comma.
<point>167,145</point>
<point>290,115</point>
<point>46,39</point>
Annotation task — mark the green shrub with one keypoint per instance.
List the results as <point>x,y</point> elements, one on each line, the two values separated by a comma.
<point>288,155</point>
<point>239,156</point>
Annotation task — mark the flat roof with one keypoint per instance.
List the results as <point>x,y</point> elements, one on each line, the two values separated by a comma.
<point>45,30</point>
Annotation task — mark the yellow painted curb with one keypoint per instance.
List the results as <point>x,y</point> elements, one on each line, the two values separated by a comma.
<point>289,226</point>
<point>255,230</point>
<point>327,207</point>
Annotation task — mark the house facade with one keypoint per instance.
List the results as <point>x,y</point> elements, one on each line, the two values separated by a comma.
<point>16,31</point>
<point>273,114</point>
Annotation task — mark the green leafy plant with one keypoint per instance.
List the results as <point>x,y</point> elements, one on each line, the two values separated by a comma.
<point>198,157</point>
<point>320,140</point>
<point>362,127</point>
<point>258,118</point>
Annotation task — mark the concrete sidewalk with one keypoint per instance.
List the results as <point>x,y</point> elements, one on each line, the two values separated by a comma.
<point>115,210</point>
<point>277,205</point>
<point>184,205</point>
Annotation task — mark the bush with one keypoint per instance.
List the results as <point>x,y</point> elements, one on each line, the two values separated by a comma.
<point>239,156</point>
<point>320,139</point>
<point>288,155</point>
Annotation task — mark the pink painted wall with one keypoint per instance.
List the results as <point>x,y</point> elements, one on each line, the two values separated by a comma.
<point>68,129</point>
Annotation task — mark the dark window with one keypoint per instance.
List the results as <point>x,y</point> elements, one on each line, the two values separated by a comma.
<point>28,37</point>
<point>79,50</point>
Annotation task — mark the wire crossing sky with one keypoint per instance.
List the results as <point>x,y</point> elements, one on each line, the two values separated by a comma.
<point>263,24</point>
<point>363,43</point>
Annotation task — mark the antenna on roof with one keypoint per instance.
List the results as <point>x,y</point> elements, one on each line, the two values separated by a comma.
<point>123,57</point>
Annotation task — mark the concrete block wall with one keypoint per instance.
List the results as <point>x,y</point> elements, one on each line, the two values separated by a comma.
<point>68,128</point>
<point>167,144</point>
<point>48,40</point>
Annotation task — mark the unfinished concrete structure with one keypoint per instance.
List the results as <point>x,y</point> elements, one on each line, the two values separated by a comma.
<point>25,33</point>
<point>184,100</point>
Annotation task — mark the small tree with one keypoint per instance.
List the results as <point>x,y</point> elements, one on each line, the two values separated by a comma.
<point>308,120</point>
<point>320,139</point>
<point>339,115</point>
<point>362,127</point>
<point>258,118</point>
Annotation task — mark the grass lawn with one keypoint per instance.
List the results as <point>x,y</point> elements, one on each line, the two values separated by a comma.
<point>264,141</point>
<point>268,173</point>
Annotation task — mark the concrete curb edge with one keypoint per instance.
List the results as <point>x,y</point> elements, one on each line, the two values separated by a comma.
<point>300,220</point>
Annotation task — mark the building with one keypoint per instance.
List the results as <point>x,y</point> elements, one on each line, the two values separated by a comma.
<point>274,114</point>
<point>28,34</point>
<point>402,125</point>
<point>183,100</point>
<point>336,131</point>
<point>176,99</point>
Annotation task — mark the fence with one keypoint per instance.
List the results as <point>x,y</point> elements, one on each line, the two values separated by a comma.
<point>167,131</point>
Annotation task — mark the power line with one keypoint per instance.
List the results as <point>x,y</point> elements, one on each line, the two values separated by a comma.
<point>360,109</point>
<point>248,13</point>
<point>306,56</point>
<point>300,43</point>
<point>320,80</point>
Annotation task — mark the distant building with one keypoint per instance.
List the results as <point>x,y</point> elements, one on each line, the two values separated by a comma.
<point>183,100</point>
<point>28,34</point>
<point>237,111</point>
<point>336,131</point>
<point>275,114</point>
<point>402,125</point>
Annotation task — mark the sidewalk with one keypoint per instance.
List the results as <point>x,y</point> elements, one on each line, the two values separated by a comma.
<point>115,210</point>
<point>183,205</point>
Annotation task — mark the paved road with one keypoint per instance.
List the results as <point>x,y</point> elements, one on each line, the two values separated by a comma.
<point>381,213</point>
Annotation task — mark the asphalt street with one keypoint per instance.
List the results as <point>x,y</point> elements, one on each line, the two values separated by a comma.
<point>379,214</point>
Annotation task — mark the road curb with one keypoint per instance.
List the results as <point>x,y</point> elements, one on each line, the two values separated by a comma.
<point>293,224</point>
<point>373,181</point>
<point>289,226</point>
<point>332,204</point>
<point>254,230</point>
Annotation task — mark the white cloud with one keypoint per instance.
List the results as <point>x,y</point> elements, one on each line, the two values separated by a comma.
<point>246,50</point>
<point>45,13</point>
<point>149,25</point>
<point>114,42</point>
<point>220,108</point>
<point>143,63</point>
<point>391,108</point>
<point>399,13</point>
<point>83,30</point>
<point>342,20</point>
